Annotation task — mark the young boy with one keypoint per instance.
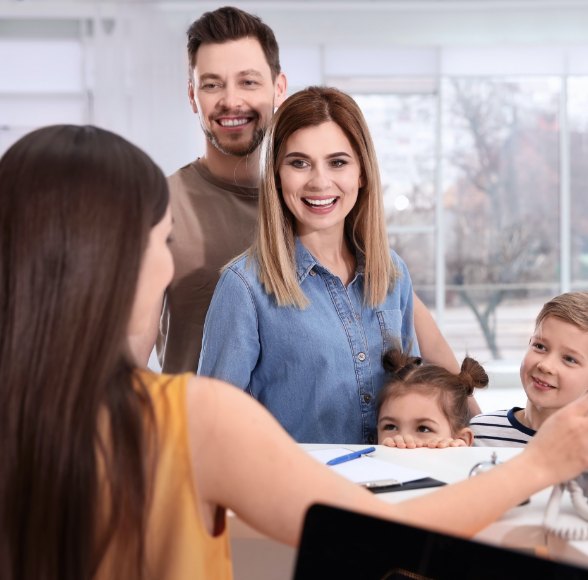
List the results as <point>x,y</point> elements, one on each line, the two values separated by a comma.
<point>554,372</point>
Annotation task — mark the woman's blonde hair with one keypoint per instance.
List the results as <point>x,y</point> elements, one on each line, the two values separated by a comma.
<point>274,245</point>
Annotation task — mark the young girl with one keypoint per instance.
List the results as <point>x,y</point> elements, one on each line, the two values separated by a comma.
<point>425,405</point>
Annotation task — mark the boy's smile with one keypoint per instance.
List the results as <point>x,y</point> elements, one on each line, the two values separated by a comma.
<point>554,371</point>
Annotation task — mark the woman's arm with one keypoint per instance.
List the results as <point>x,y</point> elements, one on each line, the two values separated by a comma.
<point>434,348</point>
<point>244,461</point>
<point>230,344</point>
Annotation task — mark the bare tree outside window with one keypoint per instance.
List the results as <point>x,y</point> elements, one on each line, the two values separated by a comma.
<point>578,125</point>
<point>501,194</point>
<point>499,143</point>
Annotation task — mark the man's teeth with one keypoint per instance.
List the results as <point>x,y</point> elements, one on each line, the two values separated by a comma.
<point>320,202</point>
<point>233,122</point>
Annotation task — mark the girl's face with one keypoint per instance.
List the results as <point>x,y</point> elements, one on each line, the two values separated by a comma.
<point>320,177</point>
<point>417,414</point>
<point>156,272</point>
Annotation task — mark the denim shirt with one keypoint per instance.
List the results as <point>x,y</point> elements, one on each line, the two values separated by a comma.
<point>317,370</point>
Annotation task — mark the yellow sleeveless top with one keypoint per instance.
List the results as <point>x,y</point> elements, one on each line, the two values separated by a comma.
<point>178,546</point>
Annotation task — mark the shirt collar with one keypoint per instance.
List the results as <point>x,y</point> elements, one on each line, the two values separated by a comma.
<point>305,262</point>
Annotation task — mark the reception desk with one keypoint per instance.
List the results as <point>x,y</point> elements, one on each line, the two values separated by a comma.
<point>256,557</point>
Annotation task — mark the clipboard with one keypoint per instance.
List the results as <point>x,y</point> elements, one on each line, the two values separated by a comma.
<point>375,474</point>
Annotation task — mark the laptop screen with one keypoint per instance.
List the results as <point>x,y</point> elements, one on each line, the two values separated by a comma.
<point>338,543</point>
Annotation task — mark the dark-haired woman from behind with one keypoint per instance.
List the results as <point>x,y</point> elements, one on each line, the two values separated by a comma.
<point>425,405</point>
<point>110,471</point>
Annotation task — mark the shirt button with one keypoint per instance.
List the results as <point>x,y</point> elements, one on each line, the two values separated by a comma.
<point>361,356</point>
<point>312,273</point>
<point>367,398</point>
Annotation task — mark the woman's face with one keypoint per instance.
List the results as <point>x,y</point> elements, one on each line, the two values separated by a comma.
<point>157,269</point>
<point>320,176</point>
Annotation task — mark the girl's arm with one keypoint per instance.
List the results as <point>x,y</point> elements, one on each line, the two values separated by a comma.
<point>244,461</point>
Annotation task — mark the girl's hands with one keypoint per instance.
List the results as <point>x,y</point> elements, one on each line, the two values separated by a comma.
<point>409,442</point>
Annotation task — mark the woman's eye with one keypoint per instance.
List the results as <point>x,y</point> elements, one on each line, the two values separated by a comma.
<point>338,163</point>
<point>299,163</point>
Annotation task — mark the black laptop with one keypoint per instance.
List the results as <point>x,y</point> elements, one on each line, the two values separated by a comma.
<point>341,544</point>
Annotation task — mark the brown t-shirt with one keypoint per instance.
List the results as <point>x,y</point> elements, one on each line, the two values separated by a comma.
<point>214,221</point>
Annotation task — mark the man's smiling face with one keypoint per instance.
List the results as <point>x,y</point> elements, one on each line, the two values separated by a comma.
<point>234,94</point>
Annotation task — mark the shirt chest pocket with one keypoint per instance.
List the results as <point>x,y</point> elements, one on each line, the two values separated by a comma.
<point>390,322</point>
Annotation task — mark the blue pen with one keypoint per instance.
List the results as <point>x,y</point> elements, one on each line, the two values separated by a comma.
<point>350,456</point>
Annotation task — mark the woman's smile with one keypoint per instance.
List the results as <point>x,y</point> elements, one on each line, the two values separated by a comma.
<point>320,176</point>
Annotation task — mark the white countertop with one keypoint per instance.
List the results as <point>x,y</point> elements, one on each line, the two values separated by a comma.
<point>520,527</point>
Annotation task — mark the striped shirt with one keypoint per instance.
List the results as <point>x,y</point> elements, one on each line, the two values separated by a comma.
<point>500,429</point>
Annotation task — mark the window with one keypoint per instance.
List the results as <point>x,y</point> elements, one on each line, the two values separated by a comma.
<point>485,242</point>
<point>41,80</point>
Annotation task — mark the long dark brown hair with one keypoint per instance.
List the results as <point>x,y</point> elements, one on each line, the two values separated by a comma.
<point>76,208</point>
<point>408,373</point>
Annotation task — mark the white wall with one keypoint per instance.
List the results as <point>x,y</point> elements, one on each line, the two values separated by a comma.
<point>133,66</point>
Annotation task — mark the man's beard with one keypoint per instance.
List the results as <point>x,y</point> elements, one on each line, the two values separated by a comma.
<point>236,149</point>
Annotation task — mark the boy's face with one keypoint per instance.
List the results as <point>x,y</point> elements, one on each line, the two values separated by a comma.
<point>234,94</point>
<point>554,371</point>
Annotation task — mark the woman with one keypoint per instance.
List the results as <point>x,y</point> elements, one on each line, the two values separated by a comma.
<point>303,320</point>
<point>112,472</point>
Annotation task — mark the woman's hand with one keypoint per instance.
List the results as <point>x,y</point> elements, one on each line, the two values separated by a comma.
<point>409,442</point>
<point>560,446</point>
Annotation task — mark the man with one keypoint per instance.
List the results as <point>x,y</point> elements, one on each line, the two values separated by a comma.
<point>234,86</point>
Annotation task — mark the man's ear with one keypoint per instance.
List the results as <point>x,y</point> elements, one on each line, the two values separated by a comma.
<point>280,88</point>
<point>467,435</point>
<point>191,97</point>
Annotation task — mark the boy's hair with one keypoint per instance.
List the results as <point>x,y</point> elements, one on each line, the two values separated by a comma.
<point>570,307</point>
<point>229,23</point>
<point>410,374</point>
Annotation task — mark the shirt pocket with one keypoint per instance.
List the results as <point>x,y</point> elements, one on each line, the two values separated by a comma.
<point>390,328</point>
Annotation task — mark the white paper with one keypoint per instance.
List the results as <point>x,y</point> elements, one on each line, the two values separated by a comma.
<point>366,470</point>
